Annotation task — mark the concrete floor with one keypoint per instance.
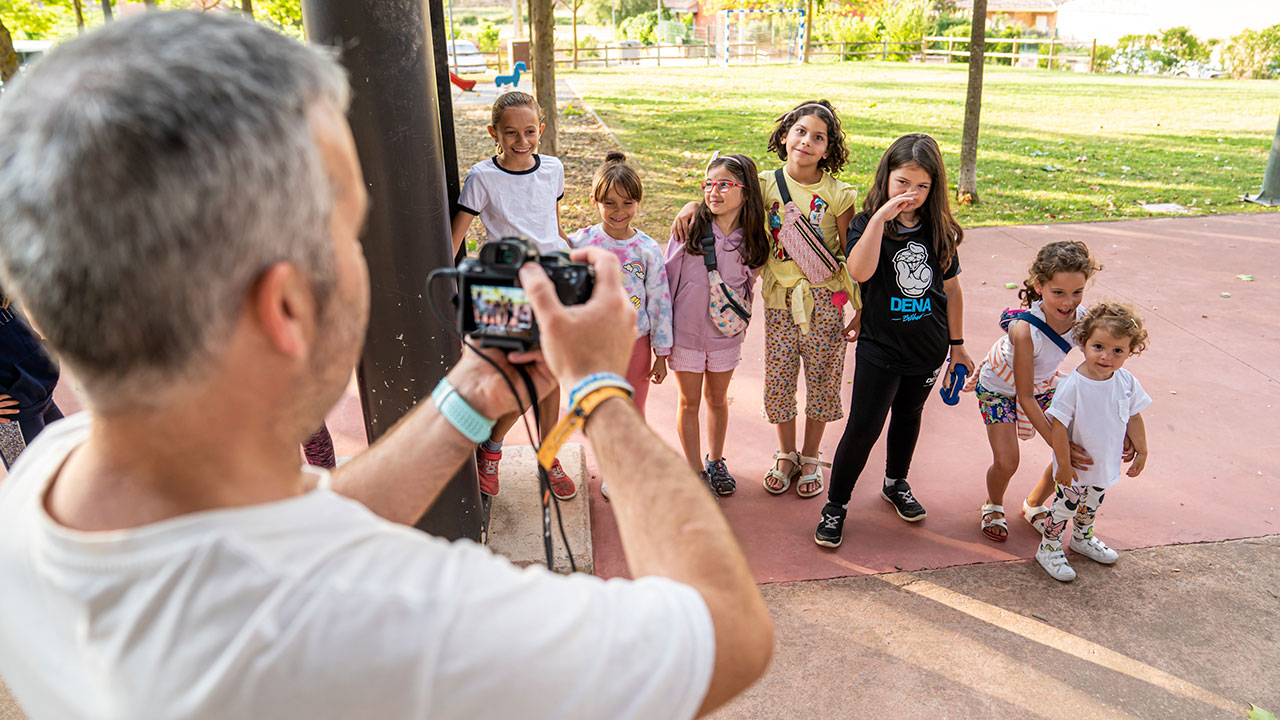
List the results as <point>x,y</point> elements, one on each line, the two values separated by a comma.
<point>1183,632</point>
<point>1186,631</point>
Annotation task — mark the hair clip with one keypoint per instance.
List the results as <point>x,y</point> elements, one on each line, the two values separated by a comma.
<point>1134,323</point>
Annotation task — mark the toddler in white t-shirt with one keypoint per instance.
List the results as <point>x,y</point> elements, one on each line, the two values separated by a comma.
<point>1094,407</point>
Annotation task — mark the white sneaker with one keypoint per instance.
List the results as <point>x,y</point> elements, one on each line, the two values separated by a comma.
<point>1054,562</point>
<point>1094,549</point>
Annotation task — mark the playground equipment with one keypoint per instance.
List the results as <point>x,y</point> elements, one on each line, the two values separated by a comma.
<point>514,78</point>
<point>466,85</point>
<point>739,22</point>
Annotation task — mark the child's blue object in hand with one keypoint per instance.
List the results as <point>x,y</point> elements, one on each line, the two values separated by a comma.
<point>950,392</point>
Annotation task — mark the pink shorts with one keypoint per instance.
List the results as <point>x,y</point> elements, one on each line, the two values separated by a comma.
<point>686,360</point>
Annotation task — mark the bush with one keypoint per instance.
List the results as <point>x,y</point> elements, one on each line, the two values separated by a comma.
<point>600,12</point>
<point>1173,52</point>
<point>469,20</point>
<point>849,29</point>
<point>640,27</point>
<point>587,45</point>
<point>486,37</point>
<point>1254,54</point>
<point>906,21</point>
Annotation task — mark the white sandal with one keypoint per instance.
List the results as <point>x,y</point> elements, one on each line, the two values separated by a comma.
<point>989,522</point>
<point>815,477</point>
<point>1029,514</point>
<point>775,473</point>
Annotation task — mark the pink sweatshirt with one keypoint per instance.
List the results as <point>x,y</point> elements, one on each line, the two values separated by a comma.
<point>691,292</point>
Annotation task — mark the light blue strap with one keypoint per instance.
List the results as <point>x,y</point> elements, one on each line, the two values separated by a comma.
<point>459,413</point>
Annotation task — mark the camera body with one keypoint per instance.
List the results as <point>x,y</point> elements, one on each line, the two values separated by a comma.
<point>494,309</point>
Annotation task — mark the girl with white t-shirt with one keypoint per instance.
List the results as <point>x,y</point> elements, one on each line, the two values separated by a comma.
<point>516,193</point>
<point>1095,407</point>
<point>1016,381</point>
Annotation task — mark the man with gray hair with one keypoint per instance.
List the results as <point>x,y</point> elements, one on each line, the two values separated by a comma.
<point>180,206</point>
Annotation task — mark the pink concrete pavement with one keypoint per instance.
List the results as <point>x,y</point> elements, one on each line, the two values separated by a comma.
<point>1212,370</point>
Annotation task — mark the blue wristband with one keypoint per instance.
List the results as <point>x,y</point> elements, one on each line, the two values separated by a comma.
<point>462,416</point>
<point>597,380</point>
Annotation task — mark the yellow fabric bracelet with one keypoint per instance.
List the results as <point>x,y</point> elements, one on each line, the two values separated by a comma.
<point>576,418</point>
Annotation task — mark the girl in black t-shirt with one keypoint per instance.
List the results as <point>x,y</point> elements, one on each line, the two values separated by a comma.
<point>902,251</point>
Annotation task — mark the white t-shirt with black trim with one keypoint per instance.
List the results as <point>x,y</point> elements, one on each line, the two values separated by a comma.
<point>514,203</point>
<point>313,607</point>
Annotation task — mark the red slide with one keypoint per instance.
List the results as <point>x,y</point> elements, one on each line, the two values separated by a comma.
<point>464,84</point>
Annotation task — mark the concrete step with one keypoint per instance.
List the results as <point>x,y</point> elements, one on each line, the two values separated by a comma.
<point>515,515</point>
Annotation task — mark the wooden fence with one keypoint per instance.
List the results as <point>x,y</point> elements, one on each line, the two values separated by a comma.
<point>1061,53</point>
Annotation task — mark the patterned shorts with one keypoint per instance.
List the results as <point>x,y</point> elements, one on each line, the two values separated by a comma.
<point>999,408</point>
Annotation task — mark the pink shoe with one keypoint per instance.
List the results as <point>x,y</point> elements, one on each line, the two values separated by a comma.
<point>487,470</point>
<point>561,485</point>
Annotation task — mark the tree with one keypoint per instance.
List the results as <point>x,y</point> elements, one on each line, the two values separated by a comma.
<point>8,56</point>
<point>574,6</point>
<point>543,52</point>
<point>967,186</point>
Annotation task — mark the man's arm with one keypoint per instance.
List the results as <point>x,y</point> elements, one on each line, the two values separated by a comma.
<point>667,519</point>
<point>390,477</point>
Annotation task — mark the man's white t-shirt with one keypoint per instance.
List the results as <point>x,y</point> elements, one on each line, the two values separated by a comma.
<point>517,203</point>
<point>314,607</point>
<point>1097,413</point>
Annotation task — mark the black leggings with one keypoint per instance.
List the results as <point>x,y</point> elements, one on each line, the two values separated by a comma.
<point>876,392</point>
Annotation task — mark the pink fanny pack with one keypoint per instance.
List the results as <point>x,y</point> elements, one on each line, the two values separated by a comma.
<point>802,241</point>
<point>728,313</point>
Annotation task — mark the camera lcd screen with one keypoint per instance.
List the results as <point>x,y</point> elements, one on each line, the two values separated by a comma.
<point>501,311</point>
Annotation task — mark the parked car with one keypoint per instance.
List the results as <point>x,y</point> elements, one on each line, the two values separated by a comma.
<point>468,57</point>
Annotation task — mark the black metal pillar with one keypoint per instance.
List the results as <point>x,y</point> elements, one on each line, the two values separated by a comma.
<point>389,52</point>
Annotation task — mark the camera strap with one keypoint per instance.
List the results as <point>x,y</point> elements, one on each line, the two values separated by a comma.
<point>574,419</point>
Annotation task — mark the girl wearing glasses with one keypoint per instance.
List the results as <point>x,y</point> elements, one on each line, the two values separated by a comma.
<point>704,357</point>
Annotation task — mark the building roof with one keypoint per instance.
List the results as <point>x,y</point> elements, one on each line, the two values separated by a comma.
<point>681,5</point>
<point>1014,5</point>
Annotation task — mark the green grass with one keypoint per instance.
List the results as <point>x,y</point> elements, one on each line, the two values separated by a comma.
<point>1118,140</point>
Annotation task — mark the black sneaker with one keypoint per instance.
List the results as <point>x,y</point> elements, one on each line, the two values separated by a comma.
<point>718,475</point>
<point>899,495</point>
<point>831,528</point>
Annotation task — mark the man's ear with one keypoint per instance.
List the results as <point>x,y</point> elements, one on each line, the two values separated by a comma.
<point>284,309</point>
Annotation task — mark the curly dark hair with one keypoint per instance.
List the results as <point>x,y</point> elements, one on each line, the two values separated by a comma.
<point>1069,256</point>
<point>837,152</point>
<point>1116,319</point>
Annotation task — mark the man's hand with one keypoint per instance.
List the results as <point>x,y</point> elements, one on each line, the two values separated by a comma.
<point>483,388</point>
<point>578,340</point>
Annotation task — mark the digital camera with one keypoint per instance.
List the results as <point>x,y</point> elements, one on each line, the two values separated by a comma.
<point>493,308</point>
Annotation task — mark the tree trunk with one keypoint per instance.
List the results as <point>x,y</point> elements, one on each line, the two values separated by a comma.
<point>106,11</point>
<point>576,5</point>
<point>8,56</point>
<point>967,186</point>
<point>543,49</point>
<point>79,15</point>
<point>246,6</point>
<point>151,4</point>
